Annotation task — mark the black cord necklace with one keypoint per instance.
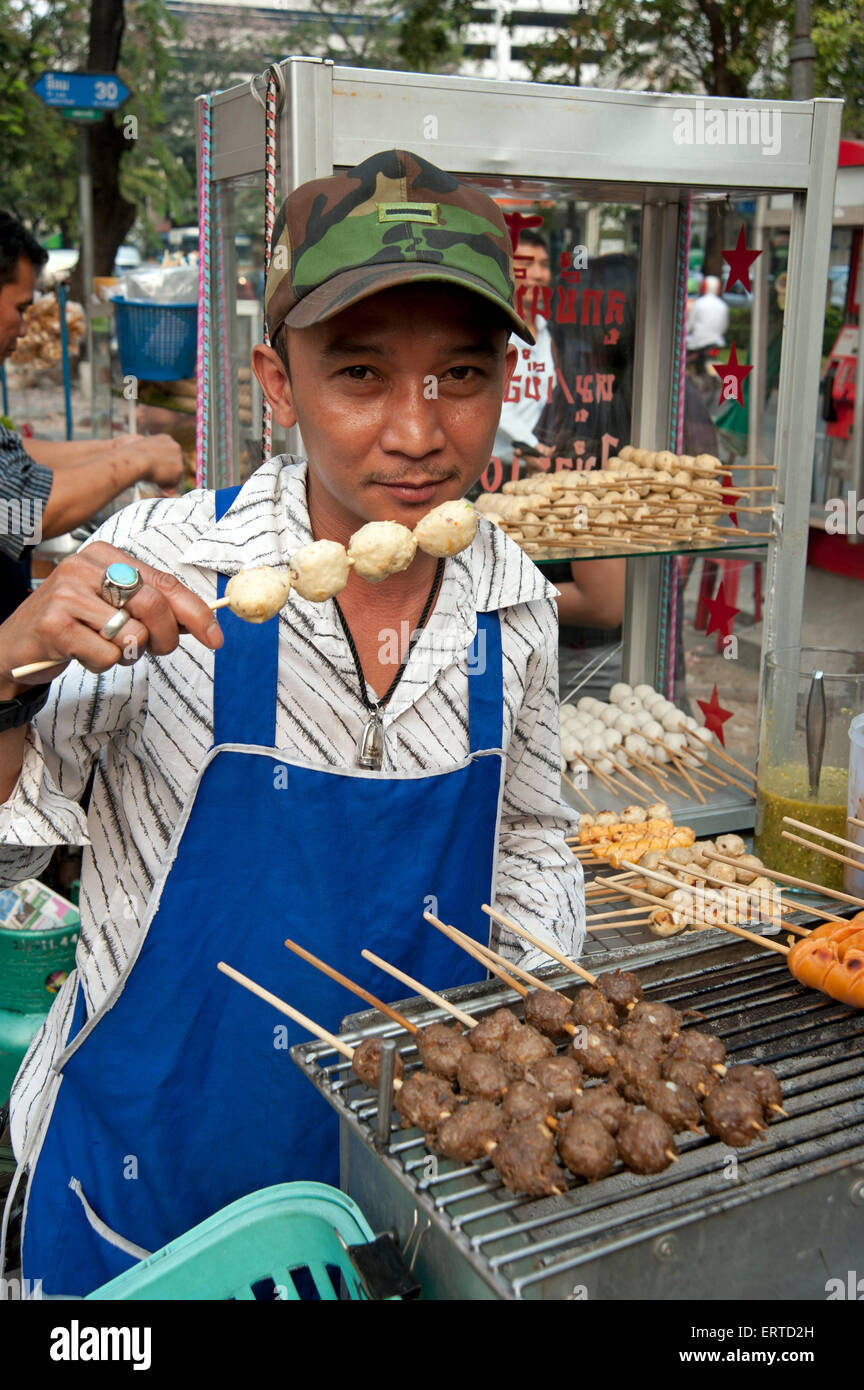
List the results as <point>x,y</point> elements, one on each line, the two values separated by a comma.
<point>370,749</point>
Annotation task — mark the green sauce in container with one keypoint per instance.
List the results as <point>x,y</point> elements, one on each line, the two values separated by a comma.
<point>785,791</point>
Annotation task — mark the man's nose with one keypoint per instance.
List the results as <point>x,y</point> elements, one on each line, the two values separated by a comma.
<point>413,425</point>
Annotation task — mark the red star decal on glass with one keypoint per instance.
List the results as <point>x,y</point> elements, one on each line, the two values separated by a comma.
<point>517,221</point>
<point>740,261</point>
<point>715,715</point>
<point>722,615</point>
<point>732,374</point>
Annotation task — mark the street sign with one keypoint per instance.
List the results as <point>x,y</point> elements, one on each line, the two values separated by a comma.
<point>80,113</point>
<point>97,91</point>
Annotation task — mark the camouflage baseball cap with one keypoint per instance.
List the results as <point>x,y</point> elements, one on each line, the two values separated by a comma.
<point>392,220</point>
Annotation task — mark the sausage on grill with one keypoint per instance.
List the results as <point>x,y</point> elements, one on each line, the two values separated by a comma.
<point>644,1038</point>
<point>663,1017</point>
<point>592,1009</point>
<point>524,1159</point>
<point>441,1047</point>
<point>366,1062</point>
<point>677,1105</point>
<point>762,1083</point>
<point>632,1072</point>
<point>587,1147</point>
<point>525,1101</point>
<point>423,1099</point>
<point>560,1077</point>
<point>482,1076</point>
<point>646,1143</point>
<point>524,1046</point>
<point>492,1032</point>
<point>733,1115</point>
<point>685,1072</point>
<point>621,988</point>
<point>548,1012</point>
<point>603,1103</point>
<point>470,1131</point>
<point>596,1053</point>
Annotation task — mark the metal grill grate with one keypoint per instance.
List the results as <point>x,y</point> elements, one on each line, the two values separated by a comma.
<point>524,1247</point>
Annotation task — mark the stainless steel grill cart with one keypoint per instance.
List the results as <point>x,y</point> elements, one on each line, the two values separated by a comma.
<point>644,162</point>
<point>774,1221</point>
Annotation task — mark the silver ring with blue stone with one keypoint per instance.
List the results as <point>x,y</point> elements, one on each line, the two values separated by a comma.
<point>119,583</point>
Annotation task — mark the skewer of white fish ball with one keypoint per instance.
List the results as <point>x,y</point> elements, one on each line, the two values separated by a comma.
<point>256,595</point>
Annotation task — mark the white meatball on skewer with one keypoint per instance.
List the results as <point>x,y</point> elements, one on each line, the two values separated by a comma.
<point>256,595</point>
<point>381,548</point>
<point>447,529</point>
<point>320,570</point>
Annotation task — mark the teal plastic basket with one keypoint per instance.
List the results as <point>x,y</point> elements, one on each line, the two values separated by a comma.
<point>281,1243</point>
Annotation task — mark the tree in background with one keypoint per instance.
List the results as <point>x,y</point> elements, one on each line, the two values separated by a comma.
<point>38,172</point>
<point>838,33</point>
<point>724,48</point>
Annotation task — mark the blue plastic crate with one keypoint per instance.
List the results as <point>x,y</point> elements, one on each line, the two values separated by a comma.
<point>282,1243</point>
<point>156,342</point>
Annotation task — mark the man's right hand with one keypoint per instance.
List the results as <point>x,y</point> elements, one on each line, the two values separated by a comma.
<point>161,458</point>
<point>62,619</point>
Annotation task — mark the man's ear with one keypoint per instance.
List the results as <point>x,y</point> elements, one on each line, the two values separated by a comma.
<point>273,380</point>
<point>510,360</point>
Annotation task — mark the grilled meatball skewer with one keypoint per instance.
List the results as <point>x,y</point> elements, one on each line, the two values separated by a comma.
<point>763,1084</point>
<point>524,1159</point>
<point>733,1114</point>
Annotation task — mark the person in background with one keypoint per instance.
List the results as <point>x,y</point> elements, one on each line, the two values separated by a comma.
<point>536,365</point>
<point>707,318</point>
<point>49,488</point>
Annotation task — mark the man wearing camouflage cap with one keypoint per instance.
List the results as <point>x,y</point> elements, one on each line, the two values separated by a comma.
<point>228,810</point>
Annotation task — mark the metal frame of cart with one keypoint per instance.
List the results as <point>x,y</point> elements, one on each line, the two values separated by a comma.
<point>617,144</point>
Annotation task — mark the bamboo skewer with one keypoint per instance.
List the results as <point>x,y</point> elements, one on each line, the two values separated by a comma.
<point>851,820</point>
<point>651,770</point>
<point>471,948</point>
<point>616,926</point>
<point>736,888</point>
<point>741,888</point>
<point>637,781</point>
<point>621,912</point>
<point>699,923</point>
<point>606,778</point>
<point>314,1028</point>
<point>579,793</point>
<point>727,757</point>
<point>541,945</point>
<point>703,758</point>
<point>798,882</point>
<point>354,988</point>
<point>826,834</point>
<point>507,966</point>
<point>822,849</point>
<point>421,989</point>
<point>33,666</point>
<point>687,778</point>
<point>753,936</point>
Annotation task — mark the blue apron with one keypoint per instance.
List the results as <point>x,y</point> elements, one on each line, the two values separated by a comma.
<point>179,1095</point>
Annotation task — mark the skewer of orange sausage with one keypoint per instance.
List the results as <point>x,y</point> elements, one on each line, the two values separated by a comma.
<point>831,959</point>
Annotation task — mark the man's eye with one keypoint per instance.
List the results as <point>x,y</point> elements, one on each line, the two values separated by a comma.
<point>358,373</point>
<point>461,373</point>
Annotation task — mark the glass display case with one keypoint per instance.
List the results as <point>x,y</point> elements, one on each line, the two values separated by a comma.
<point>616,201</point>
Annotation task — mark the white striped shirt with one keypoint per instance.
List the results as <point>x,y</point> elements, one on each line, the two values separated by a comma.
<point>148,727</point>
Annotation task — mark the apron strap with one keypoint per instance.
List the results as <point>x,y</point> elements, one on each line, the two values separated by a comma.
<point>485,685</point>
<point>245,672</point>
